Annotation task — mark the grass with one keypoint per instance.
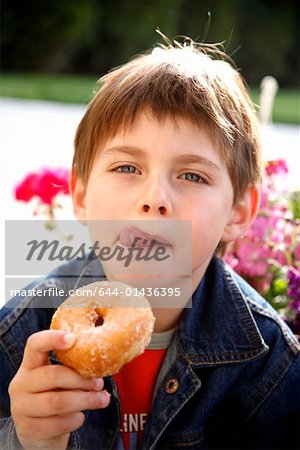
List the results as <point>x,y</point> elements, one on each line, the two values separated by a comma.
<point>80,89</point>
<point>57,88</point>
<point>286,105</point>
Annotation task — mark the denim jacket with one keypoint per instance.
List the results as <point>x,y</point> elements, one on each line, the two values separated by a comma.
<point>236,363</point>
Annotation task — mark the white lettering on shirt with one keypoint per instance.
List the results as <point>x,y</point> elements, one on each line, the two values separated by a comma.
<point>133,422</point>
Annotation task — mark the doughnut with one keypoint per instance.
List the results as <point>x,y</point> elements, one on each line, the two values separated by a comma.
<point>111,329</point>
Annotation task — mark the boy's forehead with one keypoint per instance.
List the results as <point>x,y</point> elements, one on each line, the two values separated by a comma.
<point>146,115</point>
<point>176,136</point>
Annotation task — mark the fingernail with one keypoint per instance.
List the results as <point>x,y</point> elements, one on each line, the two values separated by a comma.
<point>107,393</point>
<point>69,338</point>
<point>103,397</point>
<point>98,384</point>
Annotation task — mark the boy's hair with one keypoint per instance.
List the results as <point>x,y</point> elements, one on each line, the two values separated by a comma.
<point>187,80</point>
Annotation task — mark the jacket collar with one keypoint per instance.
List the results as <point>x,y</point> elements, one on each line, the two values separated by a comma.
<point>219,328</point>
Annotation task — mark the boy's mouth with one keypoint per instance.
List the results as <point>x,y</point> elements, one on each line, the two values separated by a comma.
<point>132,236</point>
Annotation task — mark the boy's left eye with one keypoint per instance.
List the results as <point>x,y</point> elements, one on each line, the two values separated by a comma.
<point>126,168</point>
<point>194,177</point>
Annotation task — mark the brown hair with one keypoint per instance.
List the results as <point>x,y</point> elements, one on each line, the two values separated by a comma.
<point>186,80</point>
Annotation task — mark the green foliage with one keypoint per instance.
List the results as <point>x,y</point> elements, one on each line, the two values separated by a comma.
<point>295,204</point>
<point>91,36</point>
<point>277,292</point>
<point>59,88</point>
<point>287,108</point>
<point>286,104</point>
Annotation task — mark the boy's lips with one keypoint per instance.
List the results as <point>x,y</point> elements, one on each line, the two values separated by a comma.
<point>132,235</point>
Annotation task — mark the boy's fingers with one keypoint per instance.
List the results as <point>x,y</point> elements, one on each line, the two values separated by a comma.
<point>49,432</point>
<point>51,427</point>
<point>39,344</point>
<point>53,377</point>
<point>46,404</point>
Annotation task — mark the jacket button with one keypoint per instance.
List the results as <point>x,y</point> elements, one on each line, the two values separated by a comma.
<point>172,386</point>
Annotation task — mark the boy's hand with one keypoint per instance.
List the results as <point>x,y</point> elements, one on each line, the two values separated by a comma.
<point>46,400</point>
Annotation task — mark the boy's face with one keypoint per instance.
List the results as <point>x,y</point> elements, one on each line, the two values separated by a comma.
<point>165,170</point>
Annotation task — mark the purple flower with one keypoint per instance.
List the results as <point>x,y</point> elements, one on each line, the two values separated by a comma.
<point>293,276</point>
<point>294,324</point>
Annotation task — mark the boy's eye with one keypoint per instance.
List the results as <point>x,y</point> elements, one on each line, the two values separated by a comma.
<point>126,168</point>
<point>190,176</point>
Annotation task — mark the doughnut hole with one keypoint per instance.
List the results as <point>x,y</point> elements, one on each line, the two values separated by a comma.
<point>98,320</point>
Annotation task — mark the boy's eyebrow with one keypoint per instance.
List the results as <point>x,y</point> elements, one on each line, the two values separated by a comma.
<point>186,158</point>
<point>127,149</point>
<point>191,158</point>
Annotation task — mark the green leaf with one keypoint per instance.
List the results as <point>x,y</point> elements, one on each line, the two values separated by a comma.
<point>279,286</point>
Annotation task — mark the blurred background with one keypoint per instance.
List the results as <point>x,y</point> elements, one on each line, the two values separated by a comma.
<point>55,50</point>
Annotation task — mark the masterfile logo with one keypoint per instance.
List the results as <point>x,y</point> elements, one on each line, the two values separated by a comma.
<point>154,256</point>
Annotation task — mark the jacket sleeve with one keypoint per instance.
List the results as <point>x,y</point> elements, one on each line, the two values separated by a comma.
<point>8,436</point>
<point>9,439</point>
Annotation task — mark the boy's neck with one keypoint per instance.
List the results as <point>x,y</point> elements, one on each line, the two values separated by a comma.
<point>166,318</point>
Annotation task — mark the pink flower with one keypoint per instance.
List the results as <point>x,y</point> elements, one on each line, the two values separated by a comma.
<point>26,189</point>
<point>280,256</point>
<point>268,255</point>
<point>51,183</point>
<point>276,167</point>
<point>253,259</point>
<point>46,185</point>
<point>297,253</point>
<point>259,228</point>
<point>231,259</point>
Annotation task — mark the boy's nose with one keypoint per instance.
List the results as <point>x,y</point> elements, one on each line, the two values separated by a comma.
<point>154,201</point>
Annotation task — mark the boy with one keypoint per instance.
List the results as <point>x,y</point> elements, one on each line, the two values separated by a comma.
<point>173,131</point>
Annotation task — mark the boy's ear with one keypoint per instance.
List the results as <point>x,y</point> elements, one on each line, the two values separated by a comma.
<point>243,214</point>
<point>77,190</point>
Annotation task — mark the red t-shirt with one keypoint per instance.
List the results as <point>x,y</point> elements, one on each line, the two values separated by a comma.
<point>135,382</point>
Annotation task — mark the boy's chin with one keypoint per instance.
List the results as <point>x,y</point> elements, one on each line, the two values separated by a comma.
<point>141,273</point>
<point>161,285</point>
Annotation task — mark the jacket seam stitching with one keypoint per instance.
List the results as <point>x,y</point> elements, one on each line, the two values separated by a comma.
<point>230,280</point>
<point>265,396</point>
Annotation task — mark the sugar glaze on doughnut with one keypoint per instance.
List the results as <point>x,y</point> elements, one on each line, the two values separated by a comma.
<point>111,330</point>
